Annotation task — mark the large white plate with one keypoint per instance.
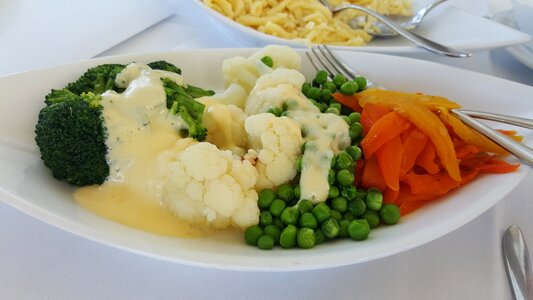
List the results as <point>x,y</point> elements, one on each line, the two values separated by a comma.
<point>445,24</point>
<point>27,185</point>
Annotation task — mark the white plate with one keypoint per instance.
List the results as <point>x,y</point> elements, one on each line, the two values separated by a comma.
<point>27,185</point>
<point>445,24</point>
<point>523,52</point>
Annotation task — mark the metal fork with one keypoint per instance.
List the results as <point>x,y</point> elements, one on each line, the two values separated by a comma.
<point>322,58</point>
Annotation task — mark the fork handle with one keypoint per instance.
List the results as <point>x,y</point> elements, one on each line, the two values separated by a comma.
<point>517,121</point>
<point>411,36</point>
<point>519,150</point>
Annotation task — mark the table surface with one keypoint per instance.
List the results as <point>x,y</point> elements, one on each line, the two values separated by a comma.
<point>39,261</point>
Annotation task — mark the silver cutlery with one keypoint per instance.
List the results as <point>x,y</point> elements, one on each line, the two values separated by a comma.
<point>411,36</point>
<point>322,58</point>
<point>517,263</point>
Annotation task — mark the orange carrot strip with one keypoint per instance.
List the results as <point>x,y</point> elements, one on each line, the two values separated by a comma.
<point>495,165</point>
<point>371,114</point>
<point>413,145</point>
<point>410,206</point>
<point>426,159</point>
<point>389,158</point>
<point>372,175</point>
<point>348,100</point>
<point>438,184</point>
<point>390,195</point>
<point>384,130</point>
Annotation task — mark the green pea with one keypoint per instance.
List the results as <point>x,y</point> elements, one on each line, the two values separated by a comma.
<point>305,206</point>
<point>340,204</point>
<point>277,207</point>
<point>265,242</point>
<point>278,223</point>
<point>390,214</point>
<point>344,177</point>
<point>298,163</point>
<point>348,88</point>
<point>290,215</point>
<point>285,192</point>
<point>333,192</point>
<point>358,229</point>
<point>357,207</point>
<point>308,220</point>
<point>336,215</point>
<point>339,80</point>
<point>372,217</point>
<point>276,111</point>
<point>274,231</point>
<point>287,238</point>
<point>267,60</point>
<point>326,95</point>
<point>332,110</point>
<point>302,147</point>
<point>336,105</point>
<point>361,83</point>
<point>305,238</point>
<point>265,198</point>
<point>320,237</point>
<point>355,152</point>
<point>344,160</point>
<point>348,216</point>
<point>348,192</point>
<point>314,93</point>
<point>329,85</point>
<point>360,193</point>
<point>355,117</point>
<point>265,218</point>
<point>355,130</point>
<point>305,88</point>
<point>343,225</point>
<point>346,119</point>
<point>252,234</point>
<point>374,199</point>
<point>322,212</point>
<point>330,228</point>
<point>321,76</point>
<point>297,191</point>
<point>331,176</point>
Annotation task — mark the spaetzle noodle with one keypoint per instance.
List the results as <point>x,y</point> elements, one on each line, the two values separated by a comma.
<point>308,20</point>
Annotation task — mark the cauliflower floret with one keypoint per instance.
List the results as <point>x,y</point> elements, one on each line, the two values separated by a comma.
<point>277,144</point>
<point>234,95</point>
<point>276,88</point>
<point>245,71</point>
<point>225,125</point>
<point>205,185</point>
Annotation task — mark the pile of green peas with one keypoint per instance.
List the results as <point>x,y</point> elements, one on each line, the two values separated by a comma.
<point>349,212</point>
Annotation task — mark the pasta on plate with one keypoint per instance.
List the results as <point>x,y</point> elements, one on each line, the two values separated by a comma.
<point>308,20</point>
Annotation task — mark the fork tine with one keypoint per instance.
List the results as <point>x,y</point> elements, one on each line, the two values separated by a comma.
<point>319,63</point>
<point>336,62</point>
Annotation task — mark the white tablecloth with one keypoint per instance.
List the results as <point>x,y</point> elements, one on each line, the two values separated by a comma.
<point>38,261</point>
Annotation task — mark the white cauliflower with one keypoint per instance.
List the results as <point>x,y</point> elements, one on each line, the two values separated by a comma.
<point>274,89</point>
<point>245,71</point>
<point>233,95</point>
<point>276,143</point>
<point>205,185</point>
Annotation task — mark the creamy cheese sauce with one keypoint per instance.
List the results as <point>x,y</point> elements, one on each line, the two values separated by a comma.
<point>139,129</point>
<point>325,135</point>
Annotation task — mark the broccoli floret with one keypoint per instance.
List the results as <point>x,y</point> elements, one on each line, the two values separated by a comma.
<point>197,92</point>
<point>182,104</point>
<point>57,96</point>
<point>71,136</point>
<point>165,66</point>
<point>97,80</point>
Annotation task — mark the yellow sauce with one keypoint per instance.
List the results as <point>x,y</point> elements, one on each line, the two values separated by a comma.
<point>117,203</point>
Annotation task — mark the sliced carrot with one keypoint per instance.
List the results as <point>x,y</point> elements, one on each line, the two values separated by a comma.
<point>348,100</point>
<point>413,144</point>
<point>437,184</point>
<point>426,159</point>
<point>497,166</point>
<point>410,206</point>
<point>389,157</point>
<point>512,134</point>
<point>371,114</point>
<point>390,195</point>
<point>372,176</point>
<point>382,131</point>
